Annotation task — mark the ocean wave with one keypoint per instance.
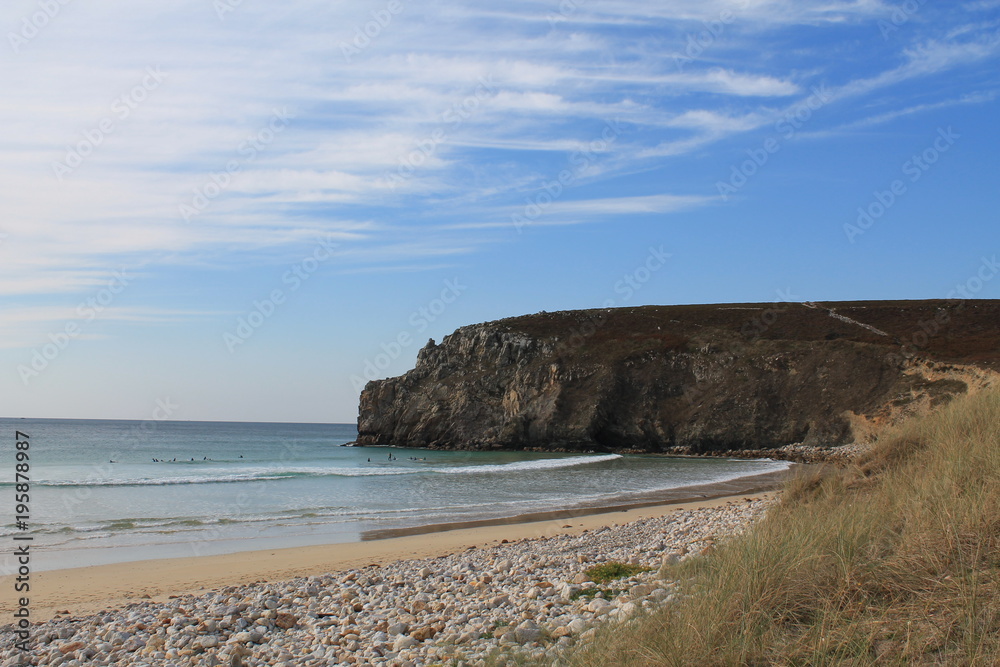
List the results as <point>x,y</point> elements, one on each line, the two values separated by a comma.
<point>540,464</point>
<point>270,474</point>
<point>307,515</point>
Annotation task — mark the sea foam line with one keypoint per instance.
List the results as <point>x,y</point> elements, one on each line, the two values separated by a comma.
<point>264,474</point>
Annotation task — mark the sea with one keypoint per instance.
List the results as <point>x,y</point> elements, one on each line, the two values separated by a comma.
<point>116,491</point>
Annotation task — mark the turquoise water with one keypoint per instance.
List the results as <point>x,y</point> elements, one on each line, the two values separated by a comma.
<point>198,488</point>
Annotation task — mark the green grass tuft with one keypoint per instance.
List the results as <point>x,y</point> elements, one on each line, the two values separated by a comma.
<point>894,561</point>
<point>605,572</point>
<point>592,592</point>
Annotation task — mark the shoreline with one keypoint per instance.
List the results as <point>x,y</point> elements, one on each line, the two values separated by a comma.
<point>747,485</point>
<point>455,598</point>
<point>92,554</point>
<point>87,590</point>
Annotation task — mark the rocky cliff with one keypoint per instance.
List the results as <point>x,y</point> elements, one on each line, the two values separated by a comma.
<point>704,378</point>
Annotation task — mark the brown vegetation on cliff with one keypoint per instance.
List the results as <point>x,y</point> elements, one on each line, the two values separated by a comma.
<point>700,378</point>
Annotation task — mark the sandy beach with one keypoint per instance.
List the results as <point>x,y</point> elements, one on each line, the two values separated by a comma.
<point>87,590</point>
<point>448,596</point>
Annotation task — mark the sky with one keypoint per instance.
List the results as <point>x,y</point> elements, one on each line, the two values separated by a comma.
<point>242,210</point>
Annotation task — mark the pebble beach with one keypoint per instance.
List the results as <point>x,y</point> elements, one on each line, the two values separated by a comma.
<point>530,596</point>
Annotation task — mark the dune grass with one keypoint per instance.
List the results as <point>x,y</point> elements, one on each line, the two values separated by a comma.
<point>605,572</point>
<point>894,561</point>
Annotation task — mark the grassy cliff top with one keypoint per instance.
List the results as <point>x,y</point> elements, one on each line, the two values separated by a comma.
<point>947,330</point>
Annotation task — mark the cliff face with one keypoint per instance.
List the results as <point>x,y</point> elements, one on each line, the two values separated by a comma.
<point>738,376</point>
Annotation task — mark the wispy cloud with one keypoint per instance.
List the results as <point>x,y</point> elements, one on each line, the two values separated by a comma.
<point>630,205</point>
<point>28,326</point>
<point>422,124</point>
<point>889,116</point>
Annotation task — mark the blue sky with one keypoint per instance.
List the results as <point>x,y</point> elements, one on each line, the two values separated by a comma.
<point>242,209</point>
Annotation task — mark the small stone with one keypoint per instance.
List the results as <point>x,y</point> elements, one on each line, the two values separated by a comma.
<point>659,594</point>
<point>671,559</point>
<point>640,590</point>
<point>599,606</point>
<point>404,642</point>
<point>569,590</point>
<point>498,601</point>
<point>527,632</point>
<point>286,621</point>
<point>69,648</point>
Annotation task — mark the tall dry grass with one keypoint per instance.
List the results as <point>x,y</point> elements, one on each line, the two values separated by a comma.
<point>895,561</point>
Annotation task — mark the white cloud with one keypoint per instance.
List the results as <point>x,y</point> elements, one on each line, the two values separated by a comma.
<point>34,326</point>
<point>889,116</point>
<point>629,205</point>
<point>460,102</point>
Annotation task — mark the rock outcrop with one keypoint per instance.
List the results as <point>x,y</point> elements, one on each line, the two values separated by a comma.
<point>700,378</point>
